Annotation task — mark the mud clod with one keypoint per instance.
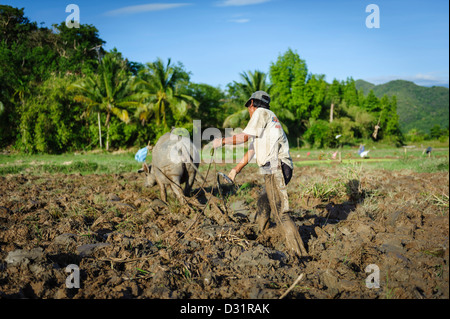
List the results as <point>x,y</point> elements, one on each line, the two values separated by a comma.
<point>127,243</point>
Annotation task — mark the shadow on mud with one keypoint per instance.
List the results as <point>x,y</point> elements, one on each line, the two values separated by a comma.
<point>331,212</point>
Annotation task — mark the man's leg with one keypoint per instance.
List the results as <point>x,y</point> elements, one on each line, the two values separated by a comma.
<point>277,193</point>
<point>263,213</point>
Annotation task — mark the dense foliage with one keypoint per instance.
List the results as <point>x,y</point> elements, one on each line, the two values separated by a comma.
<point>60,91</point>
<point>419,108</point>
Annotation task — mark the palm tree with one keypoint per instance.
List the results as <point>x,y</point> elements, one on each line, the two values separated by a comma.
<point>144,112</point>
<point>89,94</point>
<point>111,91</point>
<point>251,82</point>
<point>161,83</point>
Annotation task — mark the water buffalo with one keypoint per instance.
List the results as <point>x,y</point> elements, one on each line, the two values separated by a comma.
<point>175,160</point>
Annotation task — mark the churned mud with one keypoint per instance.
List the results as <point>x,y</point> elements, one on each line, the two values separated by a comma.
<point>127,243</point>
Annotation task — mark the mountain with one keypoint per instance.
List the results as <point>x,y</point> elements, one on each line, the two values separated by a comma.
<point>418,107</point>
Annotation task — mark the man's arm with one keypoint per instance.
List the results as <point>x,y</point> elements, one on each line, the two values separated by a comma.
<point>232,140</point>
<point>244,161</point>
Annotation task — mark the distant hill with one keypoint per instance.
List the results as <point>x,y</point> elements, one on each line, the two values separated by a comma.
<point>417,106</point>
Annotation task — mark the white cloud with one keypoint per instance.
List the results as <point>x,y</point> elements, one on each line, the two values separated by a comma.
<point>238,3</point>
<point>239,20</point>
<point>145,8</point>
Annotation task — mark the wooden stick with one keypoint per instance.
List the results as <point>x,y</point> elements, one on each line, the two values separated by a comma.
<point>292,286</point>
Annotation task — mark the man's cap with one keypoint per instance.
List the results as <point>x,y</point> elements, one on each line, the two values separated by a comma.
<point>259,95</point>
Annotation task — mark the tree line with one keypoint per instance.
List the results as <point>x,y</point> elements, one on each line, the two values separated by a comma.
<point>61,91</point>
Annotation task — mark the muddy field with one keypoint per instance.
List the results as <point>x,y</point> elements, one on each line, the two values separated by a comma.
<point>129,244</point>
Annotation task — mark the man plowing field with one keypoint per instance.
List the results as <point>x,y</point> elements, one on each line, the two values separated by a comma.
<point>271,148</point>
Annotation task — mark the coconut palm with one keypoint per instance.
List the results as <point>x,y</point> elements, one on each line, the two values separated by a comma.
<point>89,94</point>
<point>111,91</point>
<point>144,112</point>
<point>237,119</point>
<point>161,83</point>
<point>251,82</point>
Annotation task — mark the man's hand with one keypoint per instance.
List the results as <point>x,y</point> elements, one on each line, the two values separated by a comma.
<point>217,142</point>
<point>232,174</point>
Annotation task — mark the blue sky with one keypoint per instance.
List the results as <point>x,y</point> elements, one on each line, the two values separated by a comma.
<point>216,40</point>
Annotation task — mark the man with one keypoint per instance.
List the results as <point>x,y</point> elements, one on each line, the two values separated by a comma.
<point>270,145</point>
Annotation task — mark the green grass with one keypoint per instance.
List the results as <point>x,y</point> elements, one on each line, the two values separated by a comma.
<point>387,158</point>
<point>427,165</point>
<point>352,153</point>
<point>89,163</point>
<point>122,162</point>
